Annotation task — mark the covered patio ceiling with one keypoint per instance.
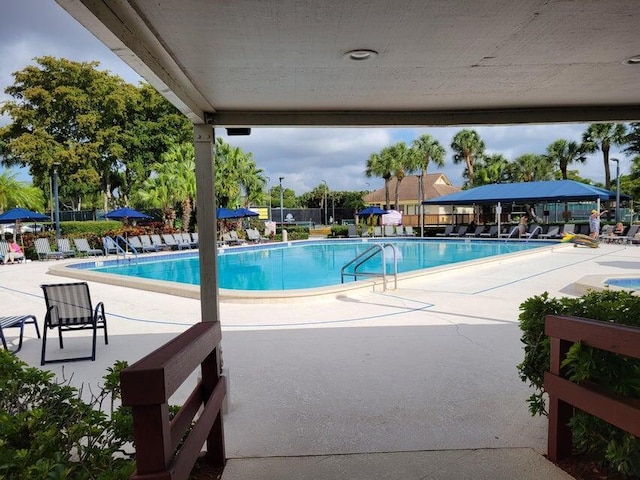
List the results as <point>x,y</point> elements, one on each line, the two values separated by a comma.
<point>246,63</point>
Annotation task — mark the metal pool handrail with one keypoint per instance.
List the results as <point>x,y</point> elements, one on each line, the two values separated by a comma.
<point>370,252</point>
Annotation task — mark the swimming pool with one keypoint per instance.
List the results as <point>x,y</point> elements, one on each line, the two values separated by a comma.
<point>629,283</point>
<point>303,265</point>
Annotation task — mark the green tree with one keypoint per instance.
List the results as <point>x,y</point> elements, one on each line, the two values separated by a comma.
<point>179,167</point>
<point>238,180</point>
<point>405,161</point>
<point>602,136</point>
<point>633,140</point>
<point>381,165</point>
<point>14,193</point>
<point>289,199</point>
<point>563,153</point>
<point>531,168</point>
<point>468,147</point>
<point>491,169</point>
<point>427,149</point>
<point>71,114</point>
<point>153,127</point>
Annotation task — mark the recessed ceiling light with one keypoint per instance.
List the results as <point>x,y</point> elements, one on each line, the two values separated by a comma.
<point>635,60</point>
<point>361,55</point>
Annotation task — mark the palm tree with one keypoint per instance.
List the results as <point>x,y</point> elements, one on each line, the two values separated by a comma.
<point>563,152</point>
<point>379,165</point>
<point>428,149</point>
<point>491,169</point>
<point>404,161</point>
<point>14,193</point>
<point>180,162</point>
<point>531,168</point>
<point>602,136</point>
<point>237,173</point>
<point>468,146</point>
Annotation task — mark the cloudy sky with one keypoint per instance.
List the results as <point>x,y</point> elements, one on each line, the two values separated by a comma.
<point>304,157</point>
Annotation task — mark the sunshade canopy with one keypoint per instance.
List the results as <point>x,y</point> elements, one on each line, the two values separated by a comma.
<point>224,213</point>
<point>372,210</point>
<point>551,191</point>
<point>125,213</point>
<point>22,214</point>
<point>245,212</point>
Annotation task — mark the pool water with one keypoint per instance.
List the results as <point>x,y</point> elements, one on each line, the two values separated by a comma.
<point>309,264</point>
<point>630,283</point>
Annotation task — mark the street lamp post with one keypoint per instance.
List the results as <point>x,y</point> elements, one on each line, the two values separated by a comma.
<point>617,188</point>
<point>325,200</point>
<point>56,203</point>
<point>281,207</point>
<point>269,194</point>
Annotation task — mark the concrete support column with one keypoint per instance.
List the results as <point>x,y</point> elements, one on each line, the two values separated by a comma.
<point>206,215</point>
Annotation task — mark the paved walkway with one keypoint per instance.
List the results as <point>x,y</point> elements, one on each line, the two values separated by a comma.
<point>418,382</point>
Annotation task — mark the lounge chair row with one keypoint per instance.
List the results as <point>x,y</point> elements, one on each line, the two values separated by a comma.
<point>508,231</point>
<point>384,231</point>
<point>64,250</point>
<point>152,243</point>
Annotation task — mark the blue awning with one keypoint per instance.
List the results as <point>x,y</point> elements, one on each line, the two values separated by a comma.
<point>528,192</point>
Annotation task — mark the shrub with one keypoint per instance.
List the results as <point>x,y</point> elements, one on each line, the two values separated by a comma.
<point>339,231</point>
<point>618,374</point>
<point>294,233</point>
<point>48,431</point>
<point>81,229</point>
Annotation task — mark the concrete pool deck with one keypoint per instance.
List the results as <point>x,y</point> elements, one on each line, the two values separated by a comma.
<point>418,382</point>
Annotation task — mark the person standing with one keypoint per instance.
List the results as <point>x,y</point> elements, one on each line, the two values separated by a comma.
<point>594,223</point>
<point>523,225</point>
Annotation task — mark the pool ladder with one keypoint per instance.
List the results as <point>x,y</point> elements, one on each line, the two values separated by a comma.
<point>369,253</point>
<point>115,242</point>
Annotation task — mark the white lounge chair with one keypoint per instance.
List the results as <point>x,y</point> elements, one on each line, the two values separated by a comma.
<point>43,249</point>
<point>409,232</point>
<point>64,247</point>
<point>553,232</point>
<point>83,247</point>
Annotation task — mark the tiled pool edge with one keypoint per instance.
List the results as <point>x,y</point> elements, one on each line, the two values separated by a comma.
<point>71,270</point>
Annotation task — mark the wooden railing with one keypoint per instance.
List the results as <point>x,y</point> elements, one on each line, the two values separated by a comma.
<point>147,386</point>
<point>564,395</point>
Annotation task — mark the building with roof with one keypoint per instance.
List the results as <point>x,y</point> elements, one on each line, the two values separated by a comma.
<point>411,194</point>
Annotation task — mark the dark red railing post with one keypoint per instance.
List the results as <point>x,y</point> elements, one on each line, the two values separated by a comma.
<point>215,440</point>
<point>559,437</point>
<point>163,451</point>
<point>565,396</point>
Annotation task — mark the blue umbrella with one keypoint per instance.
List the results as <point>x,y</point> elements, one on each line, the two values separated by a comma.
<point>125,213</point>
<point>245,212</point>
<point>224,213</point>
<point>21,214</point>
<point>372,210</point>
<point>16,215</point>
